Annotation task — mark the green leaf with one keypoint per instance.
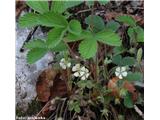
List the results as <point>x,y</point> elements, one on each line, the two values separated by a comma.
<point>62,6</point>
<point>139,55</point>
<point>88,48</point>
<point>36,44</point>
<point>72,38</point>
<point>112,25</point>
<point>118,50</point>
<point>35,54</point>
<point>75,27</point>
<point>108,37</point>
<point>39,6</point>
<point>140,33</point>
<point>60,47</point>
<point>128,101</point>
<point>117,59</point>
<point>132,34</point>
<point>128,61</point>
<point>90,3</point>
<point>126,19</point>
<point>95,21</point>
<point>29,20</point>
<point>51,19</point>
<point>137,76</point>
<point>103,2</point>
<point>54,37</point>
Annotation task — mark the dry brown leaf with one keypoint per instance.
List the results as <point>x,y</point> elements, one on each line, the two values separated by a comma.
<point>44,83</point>
<point>112,84</point>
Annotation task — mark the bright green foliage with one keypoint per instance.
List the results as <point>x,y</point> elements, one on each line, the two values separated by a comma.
<point>51,19</point>
<point>29,20</point>
<point>59,48</point>
<point>95,21</point>
<point>35,54</point>
<point>137,76</point>
<point>74,106</point>
<point>88,48</point>
<point>39,6</point>
<point>118,50</point>
<point>112,25</point>
<point>126,19</point>
<point>75,27</point>
<point>128,100</point>
<point>36,44</point>
<point>85,84</point>
<point>108,37</point>
<point>54,37</point>
<point>62,6</point>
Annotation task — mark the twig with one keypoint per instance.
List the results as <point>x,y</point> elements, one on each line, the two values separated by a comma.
<point>31,33</point>
<point>138,111</point>
<point>82,11</point>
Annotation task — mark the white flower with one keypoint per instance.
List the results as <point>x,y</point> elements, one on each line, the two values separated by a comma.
<point>64,63</point>
<point>84,73</point>
<point>121,72</point>
<point>81,72</point>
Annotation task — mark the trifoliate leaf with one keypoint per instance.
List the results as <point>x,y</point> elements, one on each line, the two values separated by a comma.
<point>137,76</point>
<point>112,25</point>
<point>29,20</point>
<point>126,19</point>
<point>95,21</point>
<point>35,54</point>
<point>118,50</point>
<point>139,55</point>
<point>36,44</point>
<point>51,19</point>
<point>128,61</point>
<point>54,37</point>
<point>128,101</point>
<point>108,37</point>
<point>39,6</point>
<point>75,27</point>
<point>88,48</point>
<point>85,84</point>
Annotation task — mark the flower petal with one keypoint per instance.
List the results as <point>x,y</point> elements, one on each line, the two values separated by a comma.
<point>117,73</point>
<point>123,69</point>
<point>124,74</point>
<point>120,76</point>
<point>76,74</point>
<point>63,67</point>
<point>83,69</point>
<point>87,75</point>
<point>83,78</point>
<point>118,69</point>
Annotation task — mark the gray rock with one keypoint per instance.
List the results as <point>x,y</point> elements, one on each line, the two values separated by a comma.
<point>26,75</point>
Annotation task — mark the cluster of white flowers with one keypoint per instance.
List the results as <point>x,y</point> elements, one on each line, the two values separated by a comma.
<point>81,72</point>
<point>121,72</point>
<point>64,63</point>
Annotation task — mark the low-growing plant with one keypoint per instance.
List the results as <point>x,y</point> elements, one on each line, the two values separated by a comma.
<point>101,70</point>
